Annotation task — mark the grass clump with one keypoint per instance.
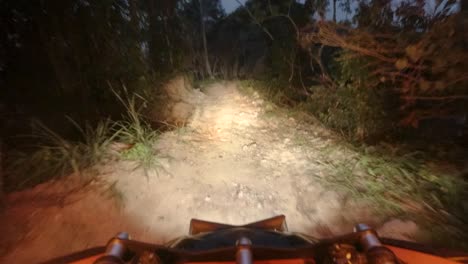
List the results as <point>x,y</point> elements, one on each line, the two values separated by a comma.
<point>54,156</point>
<point>136,132</point>
<point>405,184</point>
<point>143,154</point>
<point>354,112</point>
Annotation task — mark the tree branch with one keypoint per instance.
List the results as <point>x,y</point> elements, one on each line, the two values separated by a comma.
<point>255,20</point>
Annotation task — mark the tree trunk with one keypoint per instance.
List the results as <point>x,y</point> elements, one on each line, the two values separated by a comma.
<point>152,18</point>
<point>205,48</point>
<point>462,22</point>
<point>133,6</point>
<point>2,196</point>
<point>334,11</point>
<point>168,41</point>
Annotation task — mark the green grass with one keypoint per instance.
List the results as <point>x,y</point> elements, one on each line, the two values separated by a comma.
<point>133,130</point>
<point>144,155</point>
<point>394,180</point>
<point>402,183</point>
<point>55,156</point>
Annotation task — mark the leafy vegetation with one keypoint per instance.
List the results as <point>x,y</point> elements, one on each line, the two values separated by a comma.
<point>55,156</point>
<point>70,58</point>
<point>396,182</point>
<point>355,75</point>
<point>355,113</point>
<point>376,71</point>
<point>424,67</point>
<point>134,131</point>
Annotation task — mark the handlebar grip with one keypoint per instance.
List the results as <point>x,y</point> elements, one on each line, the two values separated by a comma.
<point>109,260</point>
<point>381,255</point>
<point>376,253</point>
<point>115,250</point>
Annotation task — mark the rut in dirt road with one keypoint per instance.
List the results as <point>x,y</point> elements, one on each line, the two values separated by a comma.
<point>235,162</point>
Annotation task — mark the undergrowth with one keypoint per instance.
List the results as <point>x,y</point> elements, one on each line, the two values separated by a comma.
<point>395,180</point>
<point>135,131</point>
<point>55,156</point>
<point>356,113</point>
<point>407,184</point>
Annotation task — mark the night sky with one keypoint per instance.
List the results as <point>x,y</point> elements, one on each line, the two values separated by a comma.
<point>230,5</point>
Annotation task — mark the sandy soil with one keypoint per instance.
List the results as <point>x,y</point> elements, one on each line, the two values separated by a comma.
<point>235,162</point>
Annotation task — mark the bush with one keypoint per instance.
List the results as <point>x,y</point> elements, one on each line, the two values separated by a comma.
<point>396,182</point>
<point>55,156</point>
<point>354,110</point>
<point>136,132</point>
<point>425,67</point>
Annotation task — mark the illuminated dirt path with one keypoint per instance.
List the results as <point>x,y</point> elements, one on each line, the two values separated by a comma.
<point>235,162</point>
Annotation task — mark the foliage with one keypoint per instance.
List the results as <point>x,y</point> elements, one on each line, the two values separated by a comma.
<point>70,55</point>
<point>198,19</point>
<point>134,131</point>
<point>133,128</point>
<point>55,156</point>
<point>440,60</point>
<point>64,58</point>
<point>425,66</point>
<point>144,154</point>
<point>74,52</point>
<point>397,182</point>
<point>356,112</point>
<point>391,62</point>
<point>282,19</point>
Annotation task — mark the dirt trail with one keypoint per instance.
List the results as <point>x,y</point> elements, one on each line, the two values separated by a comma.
<point>234,162</point>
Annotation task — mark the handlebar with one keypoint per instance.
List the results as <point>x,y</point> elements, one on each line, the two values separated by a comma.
<point>363,246</point>
<point>115,250</point>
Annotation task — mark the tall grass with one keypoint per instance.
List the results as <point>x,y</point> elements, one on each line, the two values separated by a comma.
<point>405,184</point>
<point>136,132</point>
<point>55,156</point>
<point>393,179</point>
